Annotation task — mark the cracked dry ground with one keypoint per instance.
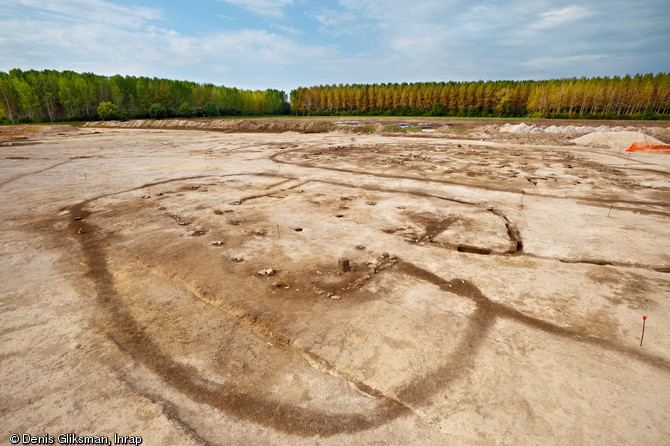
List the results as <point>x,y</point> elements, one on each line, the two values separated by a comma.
<point>491,299</point>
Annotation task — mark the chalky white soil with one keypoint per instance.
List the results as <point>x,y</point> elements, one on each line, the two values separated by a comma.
<point>495,293</point>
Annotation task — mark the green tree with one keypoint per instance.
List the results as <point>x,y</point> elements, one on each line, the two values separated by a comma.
<point>210,109</point>
<point>8,96</point>
<point>107,111</point>
<point>157,111</point>
<point>186,109</point>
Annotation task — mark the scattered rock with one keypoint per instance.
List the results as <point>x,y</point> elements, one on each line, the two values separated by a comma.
<point>361,247</point>
<point>217,243</point>
<point>298,229</point>
<point>473,249</point>
<point>385,255</point>
<point>335,296</point>
<point>237,259</point>
<point>236,203</point>
<point>266,272</point>
<point>372,203</point>
<point>77,218</point>
<point>218,212</point>
<point>184,223</point>
<point>343,265</point>
<point>162,208</point>
<point>197,233</point>
<point>80,231</point>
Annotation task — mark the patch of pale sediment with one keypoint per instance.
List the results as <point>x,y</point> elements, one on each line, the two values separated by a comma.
<point>614,140</point>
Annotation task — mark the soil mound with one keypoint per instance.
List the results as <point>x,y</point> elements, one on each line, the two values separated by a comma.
<point>38,129</point>
<point>614,140</point>
<point>559,129</point>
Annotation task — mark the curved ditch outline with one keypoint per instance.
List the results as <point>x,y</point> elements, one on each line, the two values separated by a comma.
<point>123,330</point>
<point>19,177</point>
<point>589,201</point>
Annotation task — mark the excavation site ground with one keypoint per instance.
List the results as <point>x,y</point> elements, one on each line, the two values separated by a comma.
<point>335,283</point>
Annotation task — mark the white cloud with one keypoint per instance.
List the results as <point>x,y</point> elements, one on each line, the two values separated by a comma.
<point>56,41</point>
<point>557,62</point>
<point>360,40</point>
<point>269,8</point>
<point>286,29</point>
<point>560,17</point>
<point>96,11</point>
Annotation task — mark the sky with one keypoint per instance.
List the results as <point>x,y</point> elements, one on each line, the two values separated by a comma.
<point>284,44</point>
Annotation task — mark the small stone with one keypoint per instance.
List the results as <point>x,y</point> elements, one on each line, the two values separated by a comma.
<point>162,208</point>
<point>266,272</point>
<point>343,265</point>
<point>385,255</point>
<point>217,243</point>
<point>360,247</point>
<point>335,296</point>
<point>80,231</point>
<point>77,218</point>
<point>298,229</point>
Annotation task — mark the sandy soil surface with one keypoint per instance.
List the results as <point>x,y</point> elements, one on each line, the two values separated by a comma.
<point>466,286</point>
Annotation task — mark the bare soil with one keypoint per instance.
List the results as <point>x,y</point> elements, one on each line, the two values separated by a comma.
<point>189,286</point>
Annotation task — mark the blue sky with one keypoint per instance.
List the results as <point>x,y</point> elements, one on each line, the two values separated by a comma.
<point>284,44</point>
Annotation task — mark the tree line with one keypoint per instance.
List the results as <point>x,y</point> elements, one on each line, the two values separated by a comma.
<point>48,95</point>
<point>630,97</point>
